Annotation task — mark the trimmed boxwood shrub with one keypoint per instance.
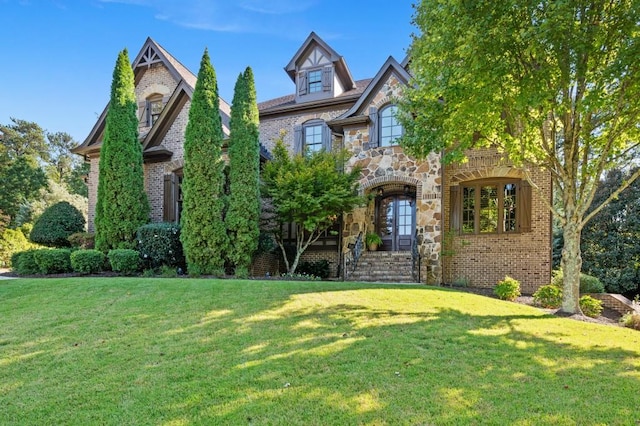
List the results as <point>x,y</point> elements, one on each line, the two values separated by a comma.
<point>590,307</point>
<point>548,296</point>
<point>24,263</point>
<point>87,261</point>
<point>588,283</point>
<point>54,261</point>
<point>56,224</point>
<point>125,261</point>
<point>508,289</point>
<point>318,269</point>
<point>159,245</point>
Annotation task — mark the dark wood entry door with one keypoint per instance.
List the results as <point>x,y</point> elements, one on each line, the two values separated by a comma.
<point>395,222</point>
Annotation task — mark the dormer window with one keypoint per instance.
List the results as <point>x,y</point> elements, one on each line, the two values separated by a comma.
<point>314,79</point>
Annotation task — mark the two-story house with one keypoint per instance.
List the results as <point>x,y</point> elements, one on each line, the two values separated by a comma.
<point>471,224</point>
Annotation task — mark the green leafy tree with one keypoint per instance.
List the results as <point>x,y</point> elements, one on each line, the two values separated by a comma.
<point>122,204</point>
<point>610,249</point>
<point>24,139</point>
<point>552,84</point>
<point>22,149</point>
<point>62,161</point>
<point>310,192</point>
<point>243,215</point>
<point>204,235</point>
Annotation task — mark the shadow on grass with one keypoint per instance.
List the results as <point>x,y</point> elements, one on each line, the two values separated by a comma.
<point>204,352</point>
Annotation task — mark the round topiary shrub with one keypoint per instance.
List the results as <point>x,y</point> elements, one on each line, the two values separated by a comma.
<point>508,289</point>
<point>56,224</point>
<point>87,261</point>
<point>548,296</point>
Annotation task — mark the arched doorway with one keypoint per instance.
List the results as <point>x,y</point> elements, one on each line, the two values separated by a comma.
<point>395,217</point>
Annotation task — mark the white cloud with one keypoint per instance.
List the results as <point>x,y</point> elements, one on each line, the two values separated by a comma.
<point>244,16</point>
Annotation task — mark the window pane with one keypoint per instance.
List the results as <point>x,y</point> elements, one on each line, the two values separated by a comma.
<point>509,204</point>
<point>390,128</point>
<point>313,138</point>
<point>315,81</point>
<point>488,209</point>
<point>468,210</point>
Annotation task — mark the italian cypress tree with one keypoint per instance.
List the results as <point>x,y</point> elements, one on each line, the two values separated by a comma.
<point>122,204</point>
<point>244,171</point>
<point>203,234</point>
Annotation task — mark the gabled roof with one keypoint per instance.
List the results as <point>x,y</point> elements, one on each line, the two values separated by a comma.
<point>342,71</point>
<point>391,66</point>
<point>151,53</point>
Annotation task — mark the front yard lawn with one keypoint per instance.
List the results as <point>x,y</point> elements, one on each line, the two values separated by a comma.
<point>196,351</point>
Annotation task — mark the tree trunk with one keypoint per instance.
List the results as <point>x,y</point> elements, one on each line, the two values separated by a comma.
<point>571,265</point>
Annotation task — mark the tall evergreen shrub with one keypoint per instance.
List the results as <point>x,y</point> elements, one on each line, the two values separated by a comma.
<point>244,172</point>
<point>203,235</point>
<point>122,205</point>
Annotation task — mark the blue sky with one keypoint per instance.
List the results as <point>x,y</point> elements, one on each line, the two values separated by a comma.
<point>58,55</point>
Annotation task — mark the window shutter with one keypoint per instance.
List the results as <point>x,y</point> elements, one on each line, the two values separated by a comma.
<point>297,140</point>
<point>525,206</point>
<point>326,78</point>
<point>302,83</point>
<point>454,208</point>
<point>168,209</point>
<point>326,137</point>
<point>148,110</point>
<point>373,127</point>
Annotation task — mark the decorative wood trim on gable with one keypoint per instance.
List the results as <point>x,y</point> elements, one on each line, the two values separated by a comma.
<point>314,42</point>
<point>149,57</point>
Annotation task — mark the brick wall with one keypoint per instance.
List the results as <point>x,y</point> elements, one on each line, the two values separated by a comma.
<point>617,302</point>
<point>483,260</point>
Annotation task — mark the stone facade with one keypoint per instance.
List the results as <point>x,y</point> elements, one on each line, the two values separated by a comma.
<point>347,110</point>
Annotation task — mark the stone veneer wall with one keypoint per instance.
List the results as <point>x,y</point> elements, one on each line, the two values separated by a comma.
<point>483,260</point>
<point>388,167</point>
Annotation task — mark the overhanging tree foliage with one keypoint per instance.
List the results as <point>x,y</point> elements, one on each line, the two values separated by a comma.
<point>122,205</point>
<point>610,249</point>
<point>243,215</point>
<point>552,84</point>
<point>203,235</point>
<point>310,192</point>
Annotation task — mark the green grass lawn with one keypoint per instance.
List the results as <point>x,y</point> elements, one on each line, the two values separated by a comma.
<point>126,351</point>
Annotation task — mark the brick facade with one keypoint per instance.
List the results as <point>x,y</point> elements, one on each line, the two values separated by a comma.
<point>484,259</point>
<point>479,260</point>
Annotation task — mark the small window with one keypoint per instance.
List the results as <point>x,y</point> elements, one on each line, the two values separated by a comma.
<point>313,138</point>
<point>489,207</point>
<point>314,79</point>
<point>390,128</point>
<point>154,108</point>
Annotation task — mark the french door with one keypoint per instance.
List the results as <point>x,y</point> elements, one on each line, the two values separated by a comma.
<point>395,222</point>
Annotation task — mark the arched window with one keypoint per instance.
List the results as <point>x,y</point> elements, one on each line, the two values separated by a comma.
<point>390,127</point>
<point>154,108</point>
